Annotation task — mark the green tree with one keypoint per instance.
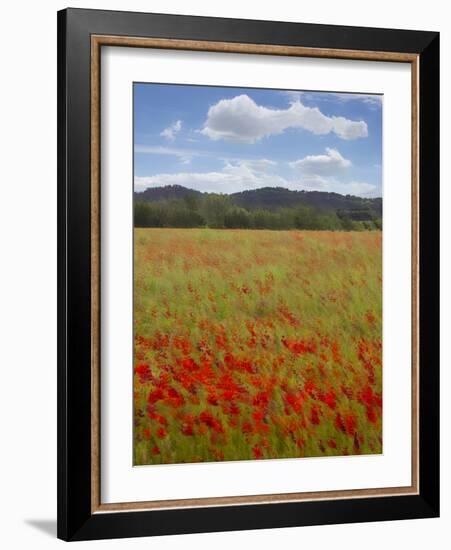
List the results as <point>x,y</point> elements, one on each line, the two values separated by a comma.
<point>237,218</point>
<point>347,224</point>
<point>149,215</point>
<point>214,209</point>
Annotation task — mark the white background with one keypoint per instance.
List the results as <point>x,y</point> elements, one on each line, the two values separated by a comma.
<point>119,481</point>
<point>28,274</point>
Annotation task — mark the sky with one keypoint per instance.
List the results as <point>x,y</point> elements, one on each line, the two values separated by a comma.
<point>225,140</point>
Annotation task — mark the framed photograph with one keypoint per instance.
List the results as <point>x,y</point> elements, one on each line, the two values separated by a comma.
<point>248,274</point>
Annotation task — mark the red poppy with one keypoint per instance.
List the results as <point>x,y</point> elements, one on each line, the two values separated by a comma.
<point>300,442</point>
<point>175,399</point>
<point>314,415</point>
<point>155,395</point>
<point>296,401</point>
<point>366,396</point>
<point>189,364</point>
<point>187,429</point>
<point>300,347</point>
<point>257,452</point>
<point>371,415</point>
<point>161,433</point>
<point>261,399</point>
<point>329,398</point>
<point>143,372</point>
<point>209,420</point>
<point>246,427</point>
<point>212,399</point>
<point>310,388</point>
<point>350,424</point>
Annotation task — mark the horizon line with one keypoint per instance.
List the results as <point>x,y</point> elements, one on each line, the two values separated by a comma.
<point>257,189</point>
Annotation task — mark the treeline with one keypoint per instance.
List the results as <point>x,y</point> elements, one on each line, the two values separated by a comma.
<point>219,212</point>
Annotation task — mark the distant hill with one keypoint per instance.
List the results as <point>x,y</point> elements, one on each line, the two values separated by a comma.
<point>167,192</point>
<point>272,198</point>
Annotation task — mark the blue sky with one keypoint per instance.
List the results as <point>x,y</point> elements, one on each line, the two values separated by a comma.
<point>226,140</point>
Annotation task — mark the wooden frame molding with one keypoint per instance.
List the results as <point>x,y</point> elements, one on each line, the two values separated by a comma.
<point>97,41</point>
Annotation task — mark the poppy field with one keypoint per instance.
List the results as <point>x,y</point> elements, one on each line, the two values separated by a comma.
<point>256,344</point>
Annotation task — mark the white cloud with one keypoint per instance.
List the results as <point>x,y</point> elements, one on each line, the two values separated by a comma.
<point>375,100</point>
<point>359,188</point>
<point>329,164</point>
<point>320,173</point>
<point>241,120</point>
<point>252,174</point>
<point>345,97</point>
<point>349,129</point>
<point>235,176</point>
<point>318,183</point>
<point>372,100</point>
<point>184,155</point>
<point>258,164</point>
<point>294,95</point>
<point>171,131</point>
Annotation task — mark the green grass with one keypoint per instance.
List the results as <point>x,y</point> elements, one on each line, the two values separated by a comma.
<point>260,297</point>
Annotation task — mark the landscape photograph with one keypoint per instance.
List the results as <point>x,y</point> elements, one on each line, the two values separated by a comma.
<point>257,298</point>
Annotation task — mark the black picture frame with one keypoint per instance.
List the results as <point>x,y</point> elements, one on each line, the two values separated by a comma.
<point>75,518</point>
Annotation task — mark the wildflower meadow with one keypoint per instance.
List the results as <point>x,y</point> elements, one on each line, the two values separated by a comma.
<point>256,344</point>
